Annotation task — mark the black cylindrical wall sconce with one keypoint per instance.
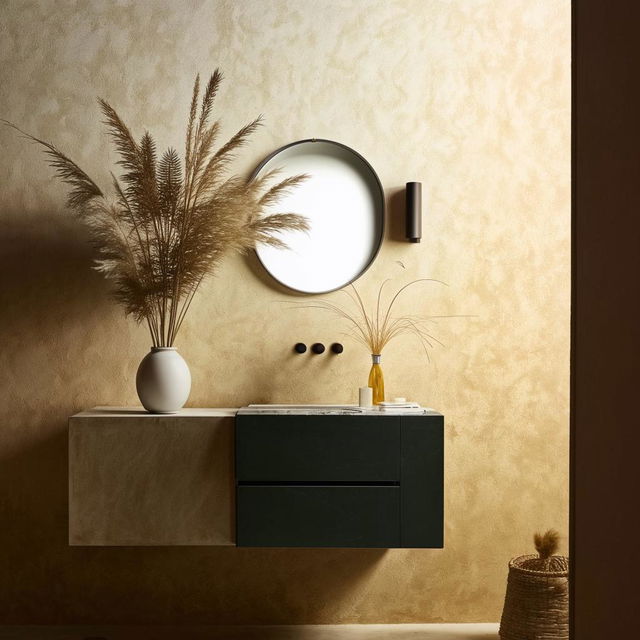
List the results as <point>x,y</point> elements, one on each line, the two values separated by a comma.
<point>414,211</point>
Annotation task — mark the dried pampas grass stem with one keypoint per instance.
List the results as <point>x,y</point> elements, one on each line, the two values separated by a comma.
<point>169,224</point>
<point>377,325</point>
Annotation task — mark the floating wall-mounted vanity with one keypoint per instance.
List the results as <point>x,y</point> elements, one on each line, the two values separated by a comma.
<point>305,478</point>
<point>308,479</point>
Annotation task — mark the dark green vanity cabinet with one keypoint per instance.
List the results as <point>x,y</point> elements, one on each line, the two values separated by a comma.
<point>339,480</point>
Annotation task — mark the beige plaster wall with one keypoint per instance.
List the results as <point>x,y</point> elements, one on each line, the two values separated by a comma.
<point>471,97</point>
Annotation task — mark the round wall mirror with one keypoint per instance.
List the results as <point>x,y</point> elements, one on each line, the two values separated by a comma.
<point>344,203</point>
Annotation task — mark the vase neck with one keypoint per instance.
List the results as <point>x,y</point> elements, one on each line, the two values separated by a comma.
<point>376,357</point>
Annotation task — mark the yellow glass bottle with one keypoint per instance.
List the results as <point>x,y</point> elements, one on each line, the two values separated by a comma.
<point>376,379</point>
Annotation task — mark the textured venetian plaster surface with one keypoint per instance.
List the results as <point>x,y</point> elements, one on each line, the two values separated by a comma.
<point>471,97</point>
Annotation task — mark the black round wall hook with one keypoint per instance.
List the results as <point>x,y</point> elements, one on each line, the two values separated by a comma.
<point>317,348</point>
<point>300,347</point>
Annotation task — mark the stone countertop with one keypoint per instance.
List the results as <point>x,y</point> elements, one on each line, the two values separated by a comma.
<point>139,412</point>
<point>263,409</point>
<point>330,410</point>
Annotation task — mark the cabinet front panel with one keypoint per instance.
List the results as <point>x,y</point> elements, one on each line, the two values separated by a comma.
<point>422,481</point>
<point>317,448</point>
<point>318,516</point>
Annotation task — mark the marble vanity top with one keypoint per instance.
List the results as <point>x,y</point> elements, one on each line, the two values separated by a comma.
<point>329,410</point>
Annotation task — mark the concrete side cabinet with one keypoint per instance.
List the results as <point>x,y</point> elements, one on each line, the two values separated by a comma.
<point>138,479</point>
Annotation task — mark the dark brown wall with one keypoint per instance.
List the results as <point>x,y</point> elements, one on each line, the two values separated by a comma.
<point>606,336</point>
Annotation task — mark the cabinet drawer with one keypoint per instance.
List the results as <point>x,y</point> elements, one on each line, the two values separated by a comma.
<point>317,448</point>
<point>318,516</point>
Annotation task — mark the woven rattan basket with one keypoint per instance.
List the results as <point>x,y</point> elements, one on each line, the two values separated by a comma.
<point>536,605</point>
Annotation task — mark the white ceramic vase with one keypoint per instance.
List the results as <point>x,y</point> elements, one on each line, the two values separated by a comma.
<point>163,380</point>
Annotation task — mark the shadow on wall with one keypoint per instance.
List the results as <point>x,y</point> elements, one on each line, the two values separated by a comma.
<point>54,312</point>
<point>57,324</point>
<point>258,633</point>
<point>396,215</point>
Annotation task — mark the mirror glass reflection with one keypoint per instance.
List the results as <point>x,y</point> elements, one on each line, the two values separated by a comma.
<point>344,203</point>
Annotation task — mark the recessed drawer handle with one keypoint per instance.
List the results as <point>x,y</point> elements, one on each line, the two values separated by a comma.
<point>318,483</point>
